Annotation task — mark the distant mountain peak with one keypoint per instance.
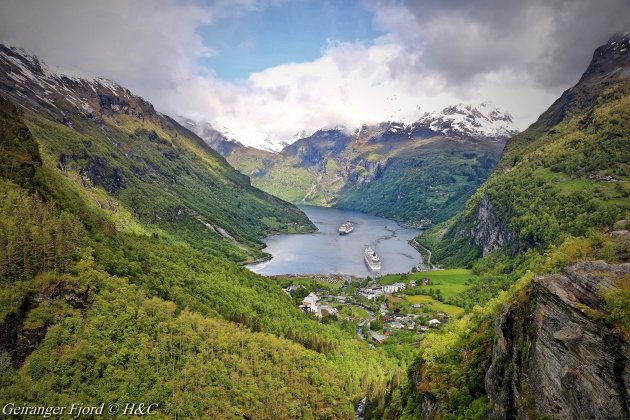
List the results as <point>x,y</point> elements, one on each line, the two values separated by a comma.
<point>482,120</point>
<point>297,136</point>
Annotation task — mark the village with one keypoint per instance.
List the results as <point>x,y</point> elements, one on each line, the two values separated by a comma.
<point>382,308</point>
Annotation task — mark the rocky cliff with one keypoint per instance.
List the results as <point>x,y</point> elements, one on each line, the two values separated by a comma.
<point>489,231</point>
<point>18,338</point>
<point>556,355</point>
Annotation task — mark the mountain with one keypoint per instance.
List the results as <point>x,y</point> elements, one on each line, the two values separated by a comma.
<point>570,168</point>
<point>119,232</point>
<point>481,121</point>
<point>126,155</point>
<point>416,173</point>
<point>547,335</point>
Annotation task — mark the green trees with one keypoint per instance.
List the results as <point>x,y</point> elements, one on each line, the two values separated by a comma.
<point>120,315</point>
<point>34,236</point>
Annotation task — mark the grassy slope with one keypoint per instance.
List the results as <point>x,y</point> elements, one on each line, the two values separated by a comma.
<point>172,182</point>
<point>450,284</point>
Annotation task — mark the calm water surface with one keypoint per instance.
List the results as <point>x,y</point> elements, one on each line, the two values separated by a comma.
<point>327,252</point>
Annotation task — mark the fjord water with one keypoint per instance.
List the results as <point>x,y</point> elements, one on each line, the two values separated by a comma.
<point>327,252</point>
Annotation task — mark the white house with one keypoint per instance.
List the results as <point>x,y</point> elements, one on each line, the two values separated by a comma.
<point>393,288</point>
<point>309,303</point>
<point>433,322</point>
<point>371,293</point>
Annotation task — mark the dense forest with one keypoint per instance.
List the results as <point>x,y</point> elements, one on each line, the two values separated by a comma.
<point>94,309</point>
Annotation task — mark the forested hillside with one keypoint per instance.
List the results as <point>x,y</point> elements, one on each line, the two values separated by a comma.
<point>115,289</point>
<point>141,167</point>
<point>547,236</point>
<point>567,173</point>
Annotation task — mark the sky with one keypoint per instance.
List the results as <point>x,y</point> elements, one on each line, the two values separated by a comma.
<point>258,69</point>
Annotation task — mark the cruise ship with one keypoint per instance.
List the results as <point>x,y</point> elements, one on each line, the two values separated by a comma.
<point>372,260</point>
<point>346,228</point>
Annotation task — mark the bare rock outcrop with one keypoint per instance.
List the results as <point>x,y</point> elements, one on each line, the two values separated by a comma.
<point>556,355</point>
<point>489,231</point>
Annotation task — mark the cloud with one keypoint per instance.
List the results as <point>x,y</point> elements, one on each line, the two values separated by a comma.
<point>552,40</point>
<point>520,55</point>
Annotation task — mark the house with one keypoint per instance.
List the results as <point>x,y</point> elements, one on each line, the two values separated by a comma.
<point>379,338</point>
<point>411,325</point>
<point>416,306</point>
<point>423,328</point>
<point>433,322</point>
<point>426,281</point>
<point>397,325</point>
<point>393,288</point>
<point>309,303</point>
<point>371,292</point>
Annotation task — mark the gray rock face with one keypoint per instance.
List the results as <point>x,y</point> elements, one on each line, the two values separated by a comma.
<point>489,230</point>
<point>555,354</point>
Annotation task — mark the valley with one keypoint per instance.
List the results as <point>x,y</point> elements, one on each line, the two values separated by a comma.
<point>132,248</point>
<point>418,173</point>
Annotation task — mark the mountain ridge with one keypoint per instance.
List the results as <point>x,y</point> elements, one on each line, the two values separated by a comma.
<point>480,121</point>
<point>416,173</point>
<point>102,136</point>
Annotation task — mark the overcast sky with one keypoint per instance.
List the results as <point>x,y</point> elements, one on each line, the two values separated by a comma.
<point>259,68</point>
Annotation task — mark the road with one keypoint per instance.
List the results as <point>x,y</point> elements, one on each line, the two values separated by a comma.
<point>367,321</point>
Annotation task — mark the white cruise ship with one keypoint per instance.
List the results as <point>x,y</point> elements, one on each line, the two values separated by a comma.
<point>346,228</point>
<point>372,260</point>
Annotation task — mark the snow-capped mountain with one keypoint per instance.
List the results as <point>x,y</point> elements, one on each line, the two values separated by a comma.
<point>210,135</point>
<point>28,81</point>
<point>476,121</point>
<point>221,141</point>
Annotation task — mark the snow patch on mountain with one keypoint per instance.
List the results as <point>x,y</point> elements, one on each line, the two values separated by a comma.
<point>477,121</point>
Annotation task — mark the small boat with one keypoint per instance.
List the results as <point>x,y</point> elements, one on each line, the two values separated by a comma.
<point>346,228</point>
<point>372,260</point>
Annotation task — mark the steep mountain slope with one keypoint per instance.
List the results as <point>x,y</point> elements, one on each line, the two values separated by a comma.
<point>547,334</point>
<point>565,174</point>
<point>141,165</point>
<point>101,305</point>
<point>416,173</point>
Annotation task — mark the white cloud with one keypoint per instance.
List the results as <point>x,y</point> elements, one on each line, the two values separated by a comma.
<point>434,55</point>
<point>349,85</point>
